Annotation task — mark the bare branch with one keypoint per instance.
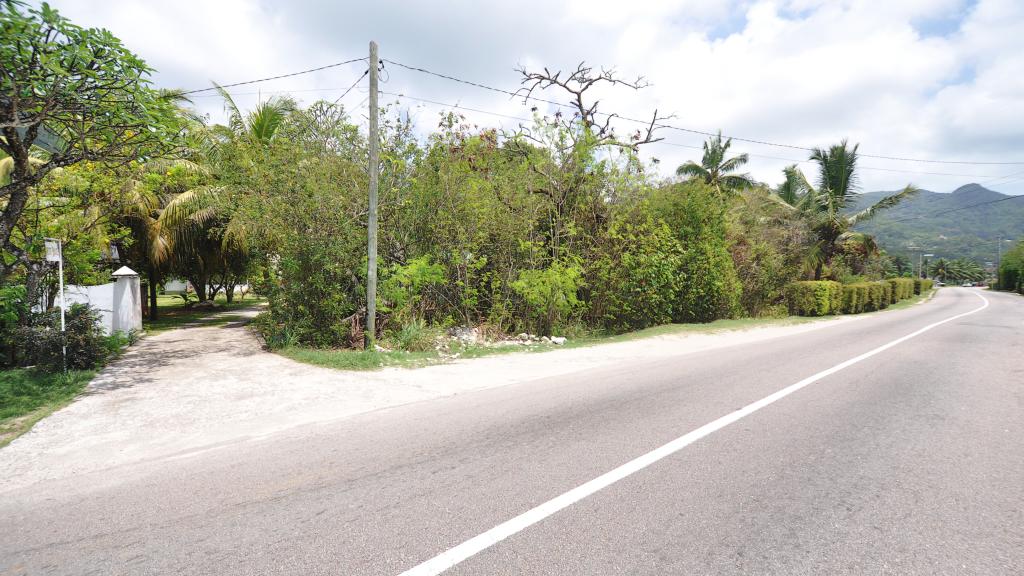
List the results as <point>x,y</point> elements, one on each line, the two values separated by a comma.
<point>576,84</point>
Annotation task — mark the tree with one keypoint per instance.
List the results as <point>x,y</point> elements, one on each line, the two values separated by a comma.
<point>715,169</point>
<point>80,95</point>
<point>562,150</point>
<point>825,205</point>
<point>1011,269</point>
<point>206,244</point>
<point>958,270</point>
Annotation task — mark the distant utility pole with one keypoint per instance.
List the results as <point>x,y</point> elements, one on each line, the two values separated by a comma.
<point>999,253</point>
<point>371,272</point>
<point>920,259</point>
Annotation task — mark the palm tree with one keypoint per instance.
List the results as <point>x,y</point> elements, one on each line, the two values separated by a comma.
<point>959,270</point>
<point>715,168</point>
<point>825,204</point>
<point>197,222</point>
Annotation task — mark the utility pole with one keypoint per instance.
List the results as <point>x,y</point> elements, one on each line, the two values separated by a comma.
<point>999,253</point>
<point>371,272</point>
<point>920,259</point>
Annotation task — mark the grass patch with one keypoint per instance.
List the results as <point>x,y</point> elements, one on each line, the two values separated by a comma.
<point>27,396</point>
<point>172,313</point>
<point>360,359</point>
<point>372,360</point>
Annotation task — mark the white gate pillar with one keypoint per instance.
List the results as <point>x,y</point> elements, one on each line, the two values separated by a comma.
<point>127,306</point>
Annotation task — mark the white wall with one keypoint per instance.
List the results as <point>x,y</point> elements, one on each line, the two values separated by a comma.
<point>119,303</point>
<point>99,297</point>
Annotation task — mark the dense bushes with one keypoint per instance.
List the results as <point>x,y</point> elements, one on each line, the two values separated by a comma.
<point>814,297</point>
<point>695,212</point>
<point>638,276</point>
<point>1011,269</point>
<point>40,340</point>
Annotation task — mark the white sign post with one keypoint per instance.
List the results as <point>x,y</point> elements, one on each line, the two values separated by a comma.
<point>55,253</point>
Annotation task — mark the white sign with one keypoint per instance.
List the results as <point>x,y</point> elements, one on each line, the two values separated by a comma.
<point>52,250</point>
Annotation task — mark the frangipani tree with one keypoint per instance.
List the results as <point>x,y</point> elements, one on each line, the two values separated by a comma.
<point>67,94</point>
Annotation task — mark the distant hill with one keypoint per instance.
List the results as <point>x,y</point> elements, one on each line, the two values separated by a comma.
<point>969,233</point>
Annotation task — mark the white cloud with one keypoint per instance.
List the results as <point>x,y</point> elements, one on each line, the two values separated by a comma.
<point>919,78</point>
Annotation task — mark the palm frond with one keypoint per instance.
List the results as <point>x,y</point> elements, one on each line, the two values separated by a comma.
<point>794,188</point>
<point>737,181</point>
<point>883,204</point>
<point>179,212</point>
<point>692,170</point>
<point>837,180</point>
<point>734,163</point>
<point>235,121</point>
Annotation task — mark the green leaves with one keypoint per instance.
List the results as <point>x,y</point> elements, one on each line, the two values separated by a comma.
<point>715,167</point>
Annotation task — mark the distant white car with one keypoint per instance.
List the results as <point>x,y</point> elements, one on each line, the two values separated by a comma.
<point>967,284</point>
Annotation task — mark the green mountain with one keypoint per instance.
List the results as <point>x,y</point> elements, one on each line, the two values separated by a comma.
<point>948,225</point>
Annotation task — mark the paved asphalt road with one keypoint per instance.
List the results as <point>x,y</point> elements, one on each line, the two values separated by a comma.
<point>910,461</point>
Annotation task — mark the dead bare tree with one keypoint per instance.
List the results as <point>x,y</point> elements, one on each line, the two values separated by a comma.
<point>562,158</point>
<point>576,84</point>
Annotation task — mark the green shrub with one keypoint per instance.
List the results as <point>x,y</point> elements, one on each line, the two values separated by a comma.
<point>403,287</point>
<point>814,297</point>
<point>41,340</point>
<point>551,293</point>
<point>901,289</point>
<point>855,297</point>
<point>695,212</point>
<point>637,279</point>
<point>12,309</point>
<point>415,336</point>
<point>922,285</point>
<point>877,297</point>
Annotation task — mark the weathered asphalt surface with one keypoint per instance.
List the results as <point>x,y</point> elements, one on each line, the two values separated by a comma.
<point>909,462</point>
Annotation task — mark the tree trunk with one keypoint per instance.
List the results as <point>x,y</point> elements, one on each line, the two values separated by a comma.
<point>151,275</point>
<point>229,290</point>
<point>33,280</point>
<point>200,284</point>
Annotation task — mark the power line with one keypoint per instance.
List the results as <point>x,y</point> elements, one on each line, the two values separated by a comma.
<point>455,106</point>
<point>265,92</point>
<point>345,93</point>
<point>680,145</point>
<point>289,75</point>
<point>682,129</point>
<point>950,211</point>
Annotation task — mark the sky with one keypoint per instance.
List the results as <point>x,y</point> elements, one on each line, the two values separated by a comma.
<point>922,79</point>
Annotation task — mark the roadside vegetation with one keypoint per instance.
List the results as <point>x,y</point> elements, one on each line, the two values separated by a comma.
<point>1011,269</point>
<point>557,228</point>
<point>29,395</point>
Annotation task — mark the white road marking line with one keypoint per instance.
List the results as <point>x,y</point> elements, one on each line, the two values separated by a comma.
<point>471,547</point>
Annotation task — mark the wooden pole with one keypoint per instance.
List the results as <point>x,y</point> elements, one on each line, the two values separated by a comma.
<point>371,272</point>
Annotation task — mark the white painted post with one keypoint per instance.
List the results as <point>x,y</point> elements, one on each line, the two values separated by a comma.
<point>55,252</point>
<point>127,309</point>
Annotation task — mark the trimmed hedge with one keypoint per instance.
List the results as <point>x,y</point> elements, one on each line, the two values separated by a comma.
<point>814,297</point>
<point>855,297</point>
<point>902,288</point>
